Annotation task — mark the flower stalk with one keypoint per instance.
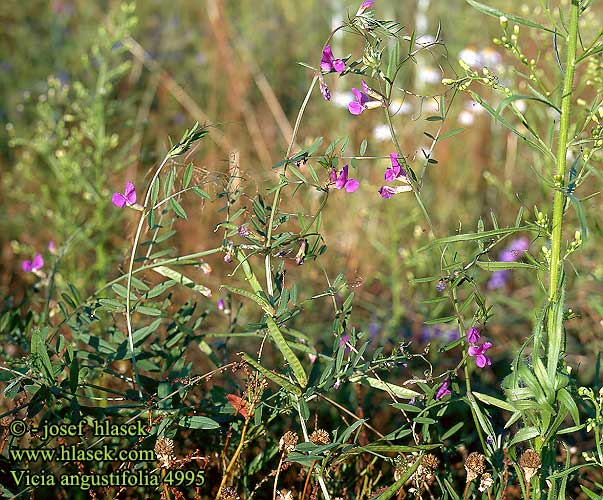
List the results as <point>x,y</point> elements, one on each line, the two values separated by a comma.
<point>556,264</point>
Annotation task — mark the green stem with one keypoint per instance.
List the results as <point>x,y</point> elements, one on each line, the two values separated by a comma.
<point>556,265</point>
<point>277,193</point>
<point>561,163</point>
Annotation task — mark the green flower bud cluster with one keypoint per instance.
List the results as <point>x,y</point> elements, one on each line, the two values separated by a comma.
<point>510,41</point>
<point>574,245</point>
<point>542,220</point>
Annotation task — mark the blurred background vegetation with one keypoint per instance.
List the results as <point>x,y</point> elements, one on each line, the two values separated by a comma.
<point>89,95</point>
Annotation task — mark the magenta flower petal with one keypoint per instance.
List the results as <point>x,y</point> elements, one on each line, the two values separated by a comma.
<point>27,266</point>
<point>324,90</point>
<point>473,335</point>
<point>333,175</point>
<point>130,193</point>
<point>481,360</point>
<point>474,350</point>
<point>326,63</point>
<point>338,65</point>
<point>128,198</point>
<point>394,159</point>
<point>485,346</point>
<point>390,174</point>
<point>386,192</point>
<point>355,108</point>
<point>38,262</point>
<point>119,200</point>
<point>443,389</point>
<point>342,179</point>
<point>352,185</point>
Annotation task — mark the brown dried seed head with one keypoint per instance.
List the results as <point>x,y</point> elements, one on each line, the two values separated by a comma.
<point>430,461</point>
<point>320,436</point>
<point>164,449</point>
<point>402,464</point>
<point>284,495</point>
<point>229,494</point>
<point>529,463</point>
<point>485,482</point>
<point>288,442</point>
<point>475,465</point>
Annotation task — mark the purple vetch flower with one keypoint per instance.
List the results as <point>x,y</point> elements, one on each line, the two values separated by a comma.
<point>343,343</point>
<point>243,231</point>
<point>328,63</point>
<point>337,384</point>
<point>511,253</point>
<point>387,192</point>
<point>221,305</point>
<point>128,198</point>
<point>324,90</point>
<point>477,351</point>
<point>473,335</point>
<point>441,286</point>
<point>395,170</point>
<point>443,390</point>
<point>452,334</point>
<point>361,99</point>
<point>31,266</point>
<point>52,248</point>
<point>364,6</point>
<point>342,181</point>
<point>498,279</point>
<point>312,357</point>
<point>373,329</point>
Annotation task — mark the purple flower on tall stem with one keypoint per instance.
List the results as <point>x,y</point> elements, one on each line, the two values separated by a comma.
<point>31,266</point>
<point>343,181</point>
<point>477,351</point>
<point>511,253</point>
<point>395,170</point>
<point>324,90</point>
<point>328,63</point>
<point>358,105</point>
<point>389,191</point>
<point>473,335</point>
<point>128,198</point>
<point>498,279</point>
<point>364,6</point>
<point>443,390</point>
<point>343,343</point>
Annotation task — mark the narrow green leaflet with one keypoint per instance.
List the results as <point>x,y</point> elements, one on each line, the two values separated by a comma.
<point>524,434</point>
<point>183,280</point>
<point>277,379</point>
<point>484,235</point>
<point>491,11</point>
<point>251,296</point>
<point>39,354</point>
<point>396,390</point>
<point>196,422</point>
<point>489,400</point>
<point>294,363</point>
<point>394,488</point>
<point>497,266</point>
